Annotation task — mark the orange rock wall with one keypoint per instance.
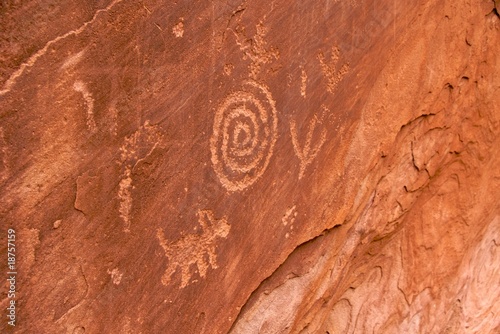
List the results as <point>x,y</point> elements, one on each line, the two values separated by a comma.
<point>251,167</point>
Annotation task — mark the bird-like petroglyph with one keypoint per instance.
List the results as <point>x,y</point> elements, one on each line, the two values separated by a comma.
<point>307,153</point>
<point>332,74</point>
<point>194,249</point>
<point>244,135</point>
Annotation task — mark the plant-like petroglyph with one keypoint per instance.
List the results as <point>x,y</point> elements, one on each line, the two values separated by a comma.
<point>81,87</point>
<point>307,154</point>
<point>135,148</point>
<point>330,71</point>
<point>194,248</point>
<point>256,50</point>
<point>244,135</point>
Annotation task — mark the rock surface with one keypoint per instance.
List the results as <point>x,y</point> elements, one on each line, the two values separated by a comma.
<point>251,167</point>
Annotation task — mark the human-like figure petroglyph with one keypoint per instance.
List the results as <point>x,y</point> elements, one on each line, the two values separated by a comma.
<point>246,122</point>
<point>136,147</point>
<point>81,87</point>
<point>256,50</point>
<point>330,71</point>
<point>244,135</point>
<point>307,154</point>
<point>194,249</point>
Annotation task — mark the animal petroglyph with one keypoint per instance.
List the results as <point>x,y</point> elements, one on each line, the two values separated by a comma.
<point>136,147</point>
<point>307,154</point>
<point>194,248</point>
<point>330,70</point>
<point>80,87</point>
<point>244,134</point>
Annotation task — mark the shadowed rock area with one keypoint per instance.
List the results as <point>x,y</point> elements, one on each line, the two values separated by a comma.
<point>250,166</point>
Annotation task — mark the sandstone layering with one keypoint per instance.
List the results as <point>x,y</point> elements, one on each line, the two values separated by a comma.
<point>251,166</point>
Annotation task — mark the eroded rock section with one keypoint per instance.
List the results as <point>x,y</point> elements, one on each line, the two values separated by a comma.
<point>251,167</point>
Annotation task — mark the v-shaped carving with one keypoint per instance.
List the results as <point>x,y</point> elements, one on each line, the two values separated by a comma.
<point>306,154</point>
<point>330,70</point>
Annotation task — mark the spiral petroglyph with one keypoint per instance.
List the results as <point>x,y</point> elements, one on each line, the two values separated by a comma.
<point>244,134</point>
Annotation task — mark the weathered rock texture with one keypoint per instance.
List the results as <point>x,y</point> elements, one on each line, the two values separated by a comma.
<point>252,167</point>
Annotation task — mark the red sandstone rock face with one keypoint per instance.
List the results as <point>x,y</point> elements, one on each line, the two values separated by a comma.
<point>251,167</point>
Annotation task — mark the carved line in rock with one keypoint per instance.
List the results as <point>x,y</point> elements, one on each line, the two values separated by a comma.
<point>135,147</point>
<point>73,60</point>
<point>125,196</point>
<point>194,249</point>
<point>303,82</point>
<point>81,87</point>
<point>307,154</point>
<point>4,162</point>
<point>33,59</point>
<point>244,135</point>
